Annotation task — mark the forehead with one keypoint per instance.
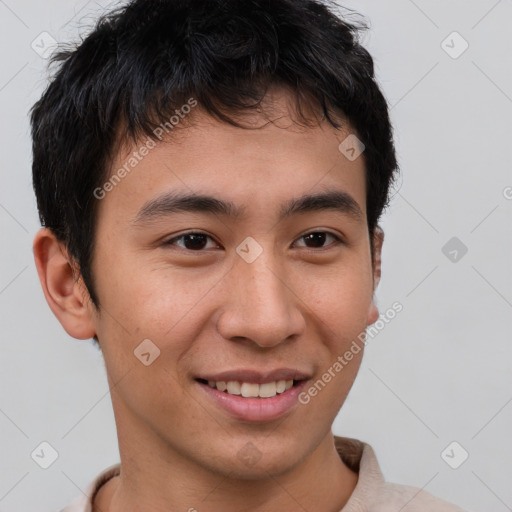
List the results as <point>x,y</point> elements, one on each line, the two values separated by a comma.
<point>261,166</point>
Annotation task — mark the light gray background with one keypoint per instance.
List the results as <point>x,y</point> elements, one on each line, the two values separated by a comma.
<point>439,372</point>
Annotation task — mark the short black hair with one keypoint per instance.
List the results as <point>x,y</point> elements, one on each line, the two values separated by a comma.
<point>148,58</point>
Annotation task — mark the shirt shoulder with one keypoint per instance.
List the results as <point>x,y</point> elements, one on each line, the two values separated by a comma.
<point>373,494</point>
<point>83,503</point>
<point>393,497</point>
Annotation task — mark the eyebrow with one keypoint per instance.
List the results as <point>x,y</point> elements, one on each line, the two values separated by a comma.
<point>177,202</point>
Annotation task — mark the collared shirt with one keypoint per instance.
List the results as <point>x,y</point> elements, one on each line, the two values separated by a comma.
<point>371,494</point>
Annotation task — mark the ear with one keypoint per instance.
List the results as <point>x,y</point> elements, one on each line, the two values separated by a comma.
<point>62,285</point>
<point>378,240</point>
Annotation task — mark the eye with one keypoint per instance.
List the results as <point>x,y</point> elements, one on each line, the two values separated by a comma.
<point>317,239</point>
<point>194,241</point>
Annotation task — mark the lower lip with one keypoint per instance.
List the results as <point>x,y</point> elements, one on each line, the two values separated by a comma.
<point>255,409</point>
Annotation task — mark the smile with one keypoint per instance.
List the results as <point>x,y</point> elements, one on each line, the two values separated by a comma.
<point>253,402</point>
<point>251,389</point>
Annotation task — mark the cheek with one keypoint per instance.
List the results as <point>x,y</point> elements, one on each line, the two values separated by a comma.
<point>148,295</point>
<point>339,296</point>
<point>165,305</point>
<point>340,305</point>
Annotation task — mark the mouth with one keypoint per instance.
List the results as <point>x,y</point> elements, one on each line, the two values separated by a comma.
<point>251,389</point>
<point>252,398</point>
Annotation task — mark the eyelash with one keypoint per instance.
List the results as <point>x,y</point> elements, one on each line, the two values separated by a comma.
<point>337,241</point>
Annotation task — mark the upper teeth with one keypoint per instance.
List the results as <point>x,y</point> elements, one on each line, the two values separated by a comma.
<point>251,390</point>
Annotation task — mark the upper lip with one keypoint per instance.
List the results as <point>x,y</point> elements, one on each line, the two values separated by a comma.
<point>255,376</point>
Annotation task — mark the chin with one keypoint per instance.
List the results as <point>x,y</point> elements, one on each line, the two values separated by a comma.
<point>259,459</point>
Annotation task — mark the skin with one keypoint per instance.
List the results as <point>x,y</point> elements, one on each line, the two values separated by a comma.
<point>296,306</point>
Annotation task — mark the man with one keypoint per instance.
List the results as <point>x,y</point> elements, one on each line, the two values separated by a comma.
<point>210,176</point>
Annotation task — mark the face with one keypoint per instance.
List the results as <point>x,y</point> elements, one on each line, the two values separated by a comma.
<point>253,287</point>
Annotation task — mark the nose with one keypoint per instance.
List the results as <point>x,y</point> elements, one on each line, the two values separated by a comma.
<point>260,304</point>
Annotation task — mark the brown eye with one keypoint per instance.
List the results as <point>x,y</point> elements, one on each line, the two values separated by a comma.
<point>317,239</point>
<point>191,241</point>
<point>194,241</point>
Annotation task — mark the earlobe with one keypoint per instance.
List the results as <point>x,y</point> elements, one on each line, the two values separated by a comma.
<point>378,240</point>
<point>65,293</point>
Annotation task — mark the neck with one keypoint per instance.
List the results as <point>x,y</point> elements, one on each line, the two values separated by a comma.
<point>321,482</point>
<point>159,477</point>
